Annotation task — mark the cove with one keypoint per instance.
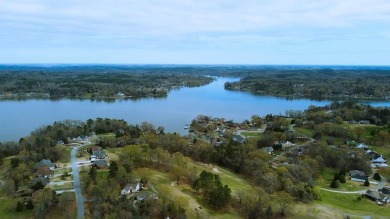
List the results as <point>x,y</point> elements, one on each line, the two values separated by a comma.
<point>19,118</point>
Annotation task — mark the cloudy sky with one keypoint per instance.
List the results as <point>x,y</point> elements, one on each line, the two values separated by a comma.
<point>317,32</point>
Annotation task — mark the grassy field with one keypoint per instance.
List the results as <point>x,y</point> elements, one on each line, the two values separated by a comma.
<point>348,204</point>
<point>7,209</point>
<point>251,134</point>
<point>235,182</point>
<point>326,178</point>
<point>163,182</point>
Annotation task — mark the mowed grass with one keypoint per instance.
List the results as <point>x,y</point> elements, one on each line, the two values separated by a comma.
<point>7,209</point>
<point>326,178</point>
<point>163,182</point>
<point>251,134</point>
<point>235,182</point>
<point>348,204</point>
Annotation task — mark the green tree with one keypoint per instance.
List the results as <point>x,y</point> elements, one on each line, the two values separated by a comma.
<point>113,169</point>
<point>19,206</point>
<point>14,163</point>
<point>342,178</point>
<point>335,184</point>
<point>377,176</point>
<point>92,173</point>
<point>366,183</point>
<point>216,194</point>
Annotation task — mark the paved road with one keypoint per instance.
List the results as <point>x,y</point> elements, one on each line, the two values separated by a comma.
<point>76,179</point>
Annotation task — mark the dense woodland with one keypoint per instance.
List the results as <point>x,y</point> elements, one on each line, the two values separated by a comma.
<point>107,81</point>
<point>147,146</point>
<point>93,82</point>
<point>317,83</point>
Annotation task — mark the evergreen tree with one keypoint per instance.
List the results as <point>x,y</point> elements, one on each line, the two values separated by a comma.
<point>377,176</point>
<point>92,173</point>
<point>342,178</point>
<point>19,206</point>
<point>30,204</point>
<point>366,183</point>
<point>113,169</point>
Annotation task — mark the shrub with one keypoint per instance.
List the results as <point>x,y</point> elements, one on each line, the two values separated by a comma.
<point>335,184</point>
<point>366,183</point>
<point>377,176</point>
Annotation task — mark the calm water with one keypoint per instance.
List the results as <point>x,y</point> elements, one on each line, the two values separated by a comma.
<point>19,118</point>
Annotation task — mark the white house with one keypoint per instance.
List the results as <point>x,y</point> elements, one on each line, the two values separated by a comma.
<point>378,159</point>
<point>131,188</point>
<point>362,145</point>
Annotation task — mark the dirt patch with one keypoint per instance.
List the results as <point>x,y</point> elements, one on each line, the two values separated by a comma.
<point>216,170</point>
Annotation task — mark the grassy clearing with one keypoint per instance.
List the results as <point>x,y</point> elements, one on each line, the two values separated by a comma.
<point>304,131</point>
<point>326,178</point>
<point>7,209</point>
<point>163,182</point>
<point>348,204</point>
<point>235,182</point>
<point>315,211</point>
<point>251,134</point>
<point>68,185</point>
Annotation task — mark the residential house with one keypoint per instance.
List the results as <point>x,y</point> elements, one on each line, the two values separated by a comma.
<point>47,163</point>
<point>44,171</point>
<point>99,155</point>
<point>377,158</point>
<point>361,145</point>
<point>144,195</point>
<point>131,188</point>
<point>385,190</point>
<point>239,138</point>
<point>378,196</point>
<point>269,150</point>
<point>100,164</point>
<point>357,175</point>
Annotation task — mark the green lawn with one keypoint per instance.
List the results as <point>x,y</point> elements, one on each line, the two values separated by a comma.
<point>235,182</point>
<point>304,131</point>
<point>163,182</point>
<point>7,209</point>
<point>349,204</point>
<point>326,178</point>
<point>251,134</point>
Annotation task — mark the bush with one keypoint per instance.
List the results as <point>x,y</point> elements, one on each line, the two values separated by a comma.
<point>366,183</point>
<point>377,176</point>
<point>19,206</point>
<point>342,178</point>
<point>335,184</point>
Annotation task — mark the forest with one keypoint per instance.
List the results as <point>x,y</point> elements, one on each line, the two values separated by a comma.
<point>137,81</point>
<point>93,82</point>
<point>326,83</point>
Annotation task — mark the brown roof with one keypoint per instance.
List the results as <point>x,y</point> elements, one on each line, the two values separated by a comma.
<point>44,171</point>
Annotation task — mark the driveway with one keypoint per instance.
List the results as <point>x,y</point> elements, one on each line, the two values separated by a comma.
<point>76,179</point>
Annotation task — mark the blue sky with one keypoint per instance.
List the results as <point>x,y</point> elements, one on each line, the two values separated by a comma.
<point>317,32</point>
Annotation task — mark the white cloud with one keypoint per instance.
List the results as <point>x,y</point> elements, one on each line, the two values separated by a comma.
<point>189,24</point>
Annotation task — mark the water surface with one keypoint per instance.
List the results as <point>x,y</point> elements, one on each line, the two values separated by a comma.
<point>19,118</point>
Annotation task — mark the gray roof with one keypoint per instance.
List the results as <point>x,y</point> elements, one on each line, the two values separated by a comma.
<point>44,162</point>
<point>101,163</point>
<point>357,173</point>
<point>143,195</point>
<point>238,138</point>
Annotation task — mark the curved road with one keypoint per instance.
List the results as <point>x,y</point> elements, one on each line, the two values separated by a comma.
<point>76,178</point>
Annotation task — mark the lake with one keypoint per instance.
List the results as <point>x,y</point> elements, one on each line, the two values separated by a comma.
<point>19,118</point>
